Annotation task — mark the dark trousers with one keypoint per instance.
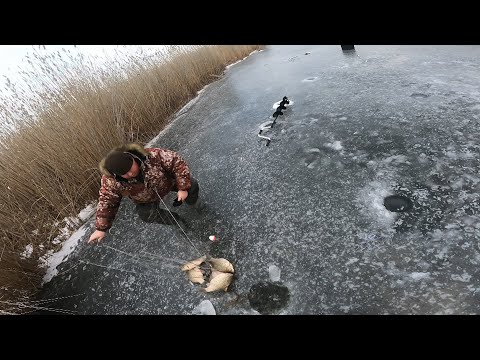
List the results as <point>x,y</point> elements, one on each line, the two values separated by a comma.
<point>153,212</point>
<point>192,192</point>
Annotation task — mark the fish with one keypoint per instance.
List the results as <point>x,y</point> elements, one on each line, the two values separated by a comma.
<point>221,264</point>
<point>195,275</point>
<point>219,282</point>
<point>194,263</point>
<point>214,274</point>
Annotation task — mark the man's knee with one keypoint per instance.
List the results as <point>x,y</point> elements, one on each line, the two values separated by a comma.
<point>193,192</point>
<point>194,188</point>
<point>152,213</point>
<point>145,211</point>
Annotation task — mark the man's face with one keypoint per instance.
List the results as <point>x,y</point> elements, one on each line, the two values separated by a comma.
<point>133,172</point>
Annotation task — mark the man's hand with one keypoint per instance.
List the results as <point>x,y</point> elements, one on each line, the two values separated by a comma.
<point>97,235</point>
<point>182,195</point>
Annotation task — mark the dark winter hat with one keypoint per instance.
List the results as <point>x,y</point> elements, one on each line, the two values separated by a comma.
<point>118,162</point>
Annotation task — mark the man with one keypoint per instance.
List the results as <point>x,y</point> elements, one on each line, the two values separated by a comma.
<point>144,175</point>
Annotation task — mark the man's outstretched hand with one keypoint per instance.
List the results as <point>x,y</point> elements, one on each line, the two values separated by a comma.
<point>98,236</point>
<point>182,195</point>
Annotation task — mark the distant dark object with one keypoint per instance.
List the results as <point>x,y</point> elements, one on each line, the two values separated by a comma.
<point>397,203</point>
<point>307,53</point>
<point>348,47</point>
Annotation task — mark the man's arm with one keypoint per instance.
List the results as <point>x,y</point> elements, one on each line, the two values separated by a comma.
<point>108,204</point>
<point>175,164</point>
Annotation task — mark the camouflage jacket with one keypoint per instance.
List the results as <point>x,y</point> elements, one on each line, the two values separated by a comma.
<point>163,170</point>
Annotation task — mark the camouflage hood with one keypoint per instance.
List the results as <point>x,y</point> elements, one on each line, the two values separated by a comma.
<point>136,150</point>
